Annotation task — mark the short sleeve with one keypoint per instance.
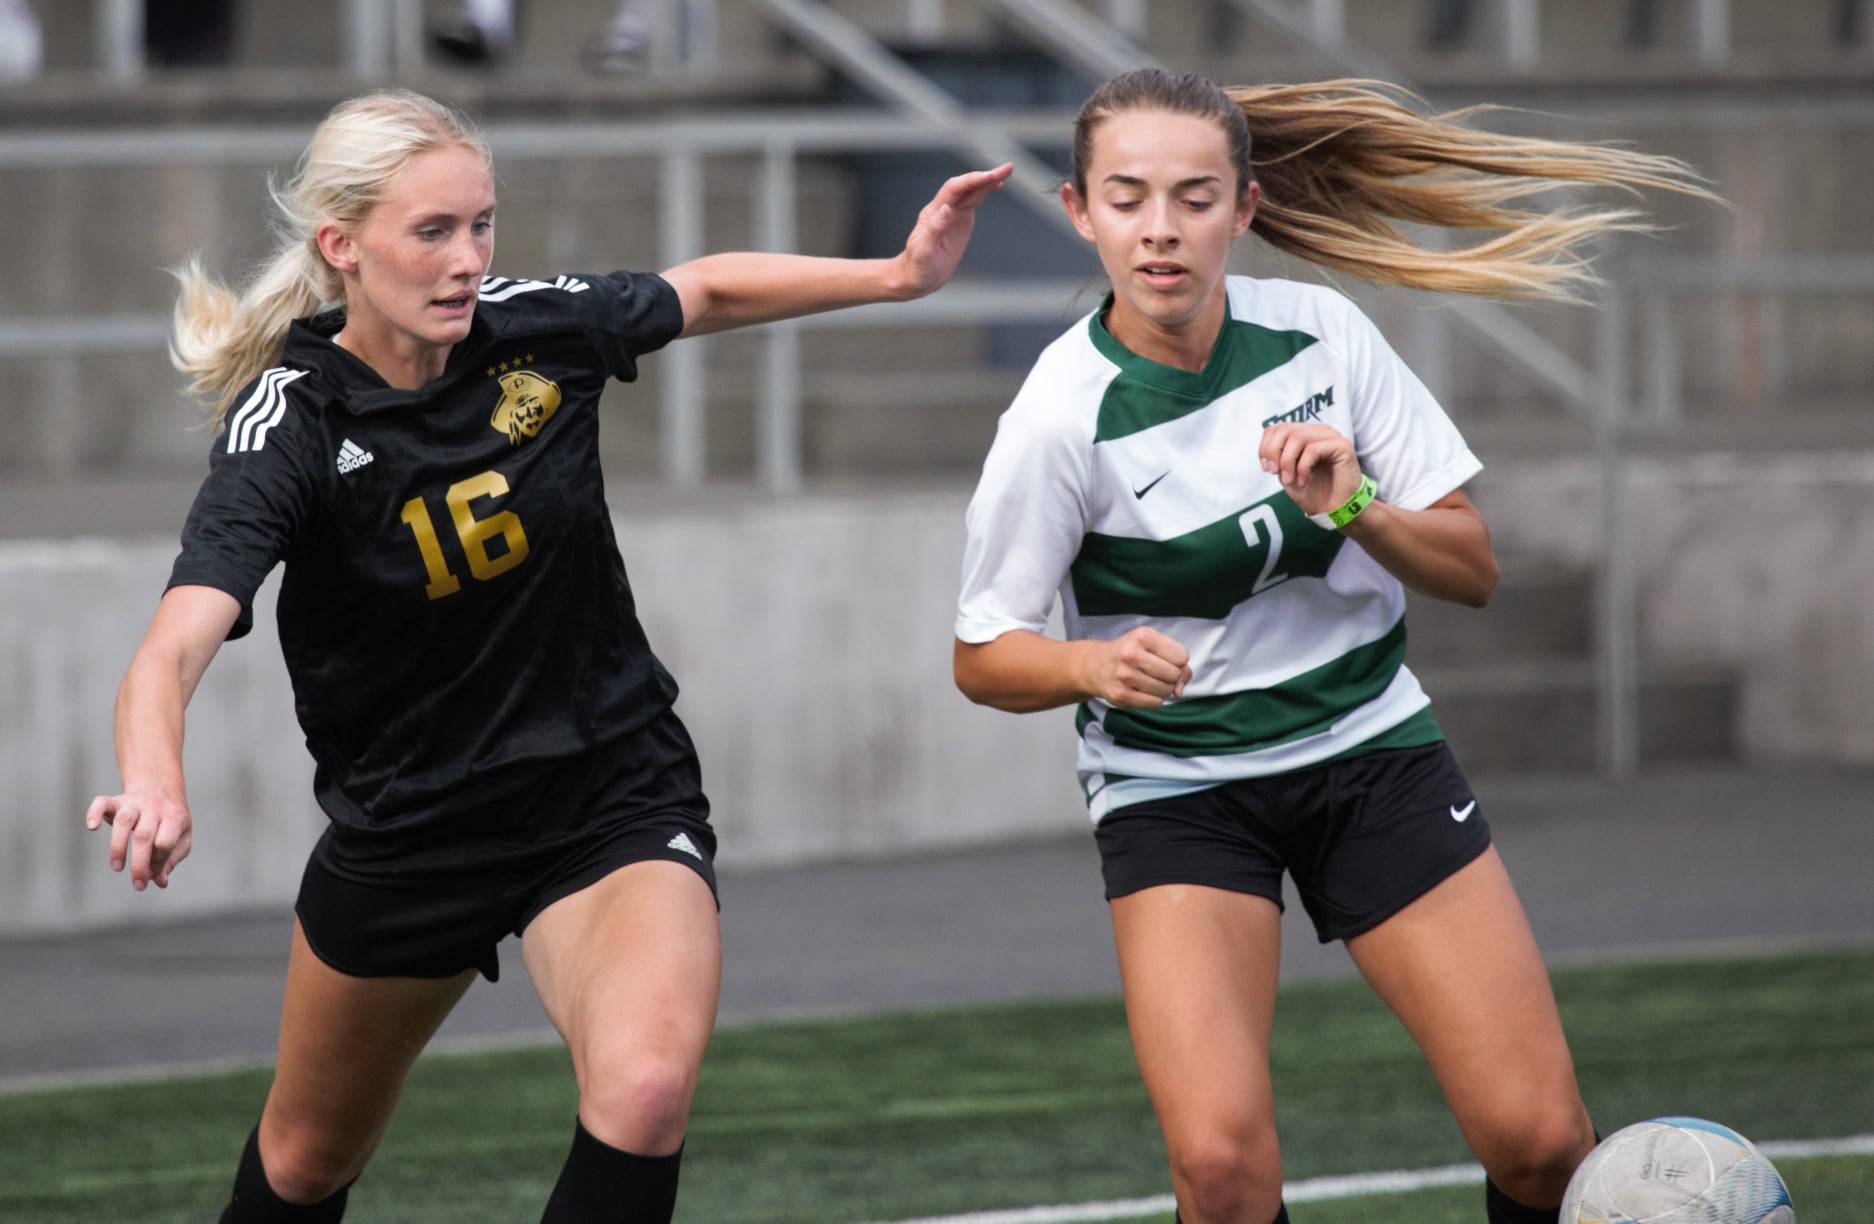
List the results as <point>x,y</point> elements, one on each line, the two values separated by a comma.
<point>1404,440</point>
<point>248,511</point>
<point>633,313</point>
<point>1025,525</point>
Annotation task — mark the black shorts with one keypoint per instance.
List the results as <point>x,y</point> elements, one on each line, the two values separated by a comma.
<point>1365,836</point>
<point>375,905</point>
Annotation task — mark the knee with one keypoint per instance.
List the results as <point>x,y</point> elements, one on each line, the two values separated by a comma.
<point>305,1167</point>
<point>1532,1158</point>
<point>639,1103</point>
<point>1227,1174</point>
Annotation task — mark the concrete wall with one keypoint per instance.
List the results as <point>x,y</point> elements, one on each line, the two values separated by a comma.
<point>812,639</point>
<point>1763,562</point>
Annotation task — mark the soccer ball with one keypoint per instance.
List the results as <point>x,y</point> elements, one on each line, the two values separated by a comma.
<point>1677,1171</point>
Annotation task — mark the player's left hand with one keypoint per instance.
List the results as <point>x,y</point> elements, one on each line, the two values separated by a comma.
<point>943,228</point>
<point>1315,463</point>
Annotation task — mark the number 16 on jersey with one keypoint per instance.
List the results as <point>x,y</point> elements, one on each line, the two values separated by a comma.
<point>474,534</point>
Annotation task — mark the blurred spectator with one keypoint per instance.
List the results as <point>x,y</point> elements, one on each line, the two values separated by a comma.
<point>188,33</point>
<point>475,31</point>
<point>1643,24</point>
<point>480,31</point>
<point>625,43</point>
<point>1851,22</point>
<point>20,42</point>
<point>176,34</point>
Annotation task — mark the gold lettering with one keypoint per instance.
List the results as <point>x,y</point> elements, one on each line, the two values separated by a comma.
<point>474,534</point>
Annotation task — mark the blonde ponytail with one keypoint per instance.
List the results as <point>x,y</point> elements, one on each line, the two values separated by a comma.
<point>223,338</point>
<point>1340,162</point>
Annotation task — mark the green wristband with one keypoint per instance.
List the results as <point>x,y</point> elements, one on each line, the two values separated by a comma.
<point>1350,509</point>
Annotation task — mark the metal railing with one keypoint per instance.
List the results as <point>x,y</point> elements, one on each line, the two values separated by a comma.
<point>777,140</point>
<point>1658,280</point>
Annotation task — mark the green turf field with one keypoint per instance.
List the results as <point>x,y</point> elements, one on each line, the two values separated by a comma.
<point>882,1118</point>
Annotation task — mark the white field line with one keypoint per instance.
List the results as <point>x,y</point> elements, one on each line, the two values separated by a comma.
<point>139,1073</point>
<point>143,1073</point>
<point>1320,1189</point>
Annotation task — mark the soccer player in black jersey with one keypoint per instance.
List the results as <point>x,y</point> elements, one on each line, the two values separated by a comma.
<point>494,740</point>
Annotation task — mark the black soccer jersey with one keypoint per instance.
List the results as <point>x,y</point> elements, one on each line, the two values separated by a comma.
<point>454,611</point>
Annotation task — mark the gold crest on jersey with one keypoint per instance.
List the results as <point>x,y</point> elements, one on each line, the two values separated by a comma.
<point>528,401</point>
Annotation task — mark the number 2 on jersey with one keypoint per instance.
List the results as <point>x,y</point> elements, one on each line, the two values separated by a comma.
<point>474,534</point>
<point>1264,514</point>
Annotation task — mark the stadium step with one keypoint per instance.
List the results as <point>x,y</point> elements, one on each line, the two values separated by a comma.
<point>1515,685</point>
<point>1536,613</point>
<point>1540,716</point>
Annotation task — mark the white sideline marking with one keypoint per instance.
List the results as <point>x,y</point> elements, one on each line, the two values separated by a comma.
<point>1321,1189</point>
<point>144,1073</point>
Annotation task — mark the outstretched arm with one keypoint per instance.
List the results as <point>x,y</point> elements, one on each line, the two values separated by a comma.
<point>743,288</point>
<point>149,818</point>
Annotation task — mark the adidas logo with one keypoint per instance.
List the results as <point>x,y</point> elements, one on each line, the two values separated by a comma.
<point>351,457</point>
<point>682,842</point>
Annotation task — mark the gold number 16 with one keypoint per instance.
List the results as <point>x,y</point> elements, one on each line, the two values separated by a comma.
<point>473,532</point>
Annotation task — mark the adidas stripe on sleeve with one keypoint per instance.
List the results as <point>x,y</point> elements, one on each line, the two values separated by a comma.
<point>624,314</point>
<point>254,499</point>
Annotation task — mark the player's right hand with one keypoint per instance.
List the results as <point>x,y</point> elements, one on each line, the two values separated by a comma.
<point>1138,671</point>
<point>150,832</point>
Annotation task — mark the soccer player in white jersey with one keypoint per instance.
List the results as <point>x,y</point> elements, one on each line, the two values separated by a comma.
<point>1229,482</point>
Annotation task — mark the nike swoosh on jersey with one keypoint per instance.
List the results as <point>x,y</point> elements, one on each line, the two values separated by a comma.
<point>1462,814</point>
<point>1148,488</point>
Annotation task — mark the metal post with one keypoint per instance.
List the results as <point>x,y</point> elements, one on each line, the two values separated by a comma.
<point>1328,19</point>
<point>666,41</point>
<point>1713,18</point>
<point>778,430</point>
<point>1522,32</point>
<point>680,237</point>
<point>1773,336</point>
<point>119,31</point>
<point>1665,381</point>
<point>406,35</point>
<point>68,419</point>
<point>1616,624</point>
<point>365,31</point>
<point>702,49</point>
<point>1429,334</point>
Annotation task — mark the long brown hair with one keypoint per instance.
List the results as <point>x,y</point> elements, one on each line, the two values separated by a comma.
<point>222,338</point>
<point>1340,162</point>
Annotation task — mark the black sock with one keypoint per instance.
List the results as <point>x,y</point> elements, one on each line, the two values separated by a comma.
<point>602,1185</point>
<point>255,1202</point>
<point>1502,1209</point>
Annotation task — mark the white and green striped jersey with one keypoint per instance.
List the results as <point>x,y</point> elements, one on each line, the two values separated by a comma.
<point>1134,490</point>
